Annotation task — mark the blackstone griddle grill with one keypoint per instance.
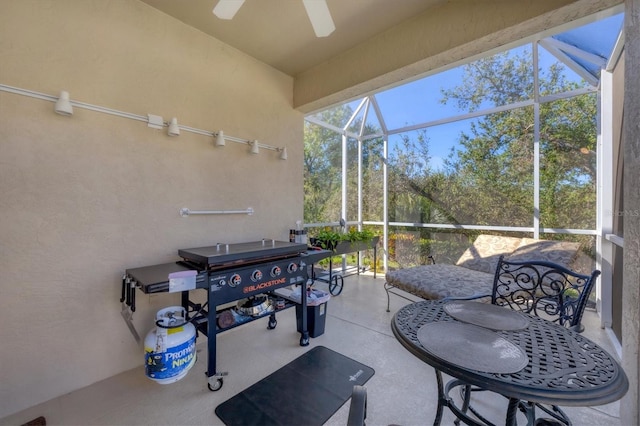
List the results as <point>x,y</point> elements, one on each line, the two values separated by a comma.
<point>246,272</point>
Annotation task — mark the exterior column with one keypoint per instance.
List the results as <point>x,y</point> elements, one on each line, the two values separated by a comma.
<point>631,287</point>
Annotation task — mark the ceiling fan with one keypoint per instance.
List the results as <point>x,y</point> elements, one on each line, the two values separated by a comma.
<point>317,10</point>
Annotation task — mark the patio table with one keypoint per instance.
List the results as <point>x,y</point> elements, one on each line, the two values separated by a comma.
<point>521,357</point>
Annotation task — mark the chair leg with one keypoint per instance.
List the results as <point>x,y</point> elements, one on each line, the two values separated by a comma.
<point>529,410</point>
<point>512,410</point>
<point>386,289</point>
<point>558,417</point>
<point>441,400</point>
<point>465,393</point>
<point>446,400</point>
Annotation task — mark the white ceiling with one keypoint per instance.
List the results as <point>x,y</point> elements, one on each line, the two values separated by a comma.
<point>279,33</point>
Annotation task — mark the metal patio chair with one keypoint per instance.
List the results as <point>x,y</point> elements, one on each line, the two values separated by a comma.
<point>358,406</point>
<point>545,290</point>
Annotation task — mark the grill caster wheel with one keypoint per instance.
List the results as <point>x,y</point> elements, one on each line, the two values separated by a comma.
<point>335,287</point>
<point>216,386</point>
<point>304,341</point>
<point>272,324</point>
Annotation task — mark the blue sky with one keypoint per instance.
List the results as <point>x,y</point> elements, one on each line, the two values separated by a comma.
<point>419,101</point>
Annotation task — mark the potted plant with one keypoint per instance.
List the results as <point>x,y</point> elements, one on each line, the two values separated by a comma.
<point>326,239</point>
<point>346,242</point>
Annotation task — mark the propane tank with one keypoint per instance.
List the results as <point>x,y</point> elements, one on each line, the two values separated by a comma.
<point>170,348</point>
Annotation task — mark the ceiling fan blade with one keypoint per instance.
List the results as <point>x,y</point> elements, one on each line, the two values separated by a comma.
<point>227,9</point>
<point>320,17</point>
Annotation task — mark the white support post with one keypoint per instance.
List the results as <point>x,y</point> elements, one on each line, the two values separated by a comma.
<point>605,200</point>
<point>536,144</point>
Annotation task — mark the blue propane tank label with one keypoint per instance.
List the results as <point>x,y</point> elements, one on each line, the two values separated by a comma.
<point>164,365</point>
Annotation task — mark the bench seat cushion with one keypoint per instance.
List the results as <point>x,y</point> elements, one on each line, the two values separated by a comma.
<point>483,255</point>
<point>560,252</point>
<point>441,280</point>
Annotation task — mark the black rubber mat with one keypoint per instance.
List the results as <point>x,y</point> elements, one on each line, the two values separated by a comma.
<point>307,391</point>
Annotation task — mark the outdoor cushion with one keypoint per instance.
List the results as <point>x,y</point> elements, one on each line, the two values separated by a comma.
<point>484,253</point>
<point>473,273</point>
<point>559,252</point>
<point>441,280</point>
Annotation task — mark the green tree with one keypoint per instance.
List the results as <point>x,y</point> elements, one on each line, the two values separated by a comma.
<point>323,169</point>
<point>488,178</point>
<point>322,178</point>
<point>497,155</point>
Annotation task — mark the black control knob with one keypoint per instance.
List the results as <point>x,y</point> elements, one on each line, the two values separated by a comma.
<point>276,271</point>
<point>256,275</point>
<point>235,280</point>
<point>292,268</point>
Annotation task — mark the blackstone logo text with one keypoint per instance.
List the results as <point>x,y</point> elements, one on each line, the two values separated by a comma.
<point>262,286</point>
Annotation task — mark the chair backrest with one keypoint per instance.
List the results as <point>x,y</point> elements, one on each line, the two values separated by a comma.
<point>358,406</point>
<point>543,289</point>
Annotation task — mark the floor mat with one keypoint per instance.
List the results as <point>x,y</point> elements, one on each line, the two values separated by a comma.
<point>307,391</point>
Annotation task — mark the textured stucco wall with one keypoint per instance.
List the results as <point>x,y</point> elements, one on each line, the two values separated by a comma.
<point>85,197</point>
<point>629,414</point>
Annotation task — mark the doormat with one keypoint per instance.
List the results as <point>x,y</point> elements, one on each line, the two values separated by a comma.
<point>307,391</point>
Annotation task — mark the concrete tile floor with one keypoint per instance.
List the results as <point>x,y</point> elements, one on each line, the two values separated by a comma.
<point>401,392</point>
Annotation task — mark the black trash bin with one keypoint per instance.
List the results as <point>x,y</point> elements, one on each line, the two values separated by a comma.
<point>316,316</point>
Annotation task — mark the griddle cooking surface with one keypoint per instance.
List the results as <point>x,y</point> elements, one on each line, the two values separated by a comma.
<point>223,254</point>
